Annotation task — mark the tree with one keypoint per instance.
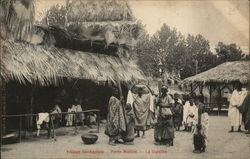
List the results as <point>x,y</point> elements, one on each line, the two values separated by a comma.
<point>167,43</point>
<point>229,52</point>
<point>143,52</point>
<point>198,51</point>
<point>175,52</point>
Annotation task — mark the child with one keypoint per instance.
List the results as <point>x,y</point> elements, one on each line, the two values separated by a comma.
<point>191,115</point>
<point>130,126</point>
<point>201,131</point>
<point>91,119</point>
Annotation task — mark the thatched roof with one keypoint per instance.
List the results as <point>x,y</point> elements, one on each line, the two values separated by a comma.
<point>110,21</point>
<point>224,73</point>
<point>48,65</point>
<point>98,11</point>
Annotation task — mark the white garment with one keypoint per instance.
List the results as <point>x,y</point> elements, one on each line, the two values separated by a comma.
<point>42,117</point>
<point>152,103</point>
<point>191,110</point>
<point>69,117</point>
<point>185,110</point>
<point>130,98</point>
<point>236,100</point>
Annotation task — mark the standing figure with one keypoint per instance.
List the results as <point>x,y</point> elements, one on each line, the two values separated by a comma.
<point>164,128</point>
<point>191,115</point>
<point>236,100</point>
<point>201,129</point>
<point>69,117</point>
<point>245,110</point>
<point>141,106</point>
<point>116,125</point>
<point>79,116</point>
<point>177,112</point>
<point>130,126</point>
<point>57,117</point>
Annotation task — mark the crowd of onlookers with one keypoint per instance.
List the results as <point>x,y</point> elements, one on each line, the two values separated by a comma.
<point>165,113</point>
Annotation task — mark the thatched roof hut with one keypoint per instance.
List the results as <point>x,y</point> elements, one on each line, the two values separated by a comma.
<point>48,65</point>
<point>225,73</point>
<point>109,21</point>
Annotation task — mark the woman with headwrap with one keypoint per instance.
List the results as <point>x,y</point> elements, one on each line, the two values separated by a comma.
<point>116,124</point>
<point>164,128</point>
<point>177,112</point>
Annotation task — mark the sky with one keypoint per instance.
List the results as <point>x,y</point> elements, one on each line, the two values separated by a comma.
<point>217,20</point>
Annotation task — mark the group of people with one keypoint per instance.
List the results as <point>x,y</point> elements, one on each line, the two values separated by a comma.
<point>71,119</point>
<point>239,109</point>
<point>125,121</point>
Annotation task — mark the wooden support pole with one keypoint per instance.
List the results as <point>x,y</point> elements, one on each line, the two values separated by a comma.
<point>75,120</point>
<point>98,121</point>
<point>219,93</point>
<point>210,94</point>
<point>53,129</point>
<point>49,128</point>
<point>20,128</point>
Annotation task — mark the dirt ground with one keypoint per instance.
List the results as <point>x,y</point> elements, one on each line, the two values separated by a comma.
<point>221,144</point>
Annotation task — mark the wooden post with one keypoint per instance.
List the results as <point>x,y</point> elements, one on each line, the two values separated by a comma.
<point>98,121</point>
<point>210,94</point>
<point>3,105</point>
<point>20,127</point>
<point>53,129</point>
<point>219,94</point>
<point>75,123</point>
<point>30,107</point>
<point>49,128</point>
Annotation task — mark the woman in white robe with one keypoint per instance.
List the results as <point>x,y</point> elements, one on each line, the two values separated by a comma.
<point>236,101</point>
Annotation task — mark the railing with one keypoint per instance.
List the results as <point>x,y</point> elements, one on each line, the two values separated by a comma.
<point>51,114</point>
<point>219,106</point>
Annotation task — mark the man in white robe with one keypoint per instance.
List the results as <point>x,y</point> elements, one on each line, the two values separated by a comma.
<point>236,101</point>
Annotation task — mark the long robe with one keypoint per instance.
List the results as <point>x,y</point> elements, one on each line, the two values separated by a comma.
<point>185,110</point>
<point>151,120</point>
<point>141,109</point>
<point>116,125</point>
<point>245,110</point>
<point>130,129</point>
<point>164,128</point>
<point>234,114</point>
<point>192,110</point>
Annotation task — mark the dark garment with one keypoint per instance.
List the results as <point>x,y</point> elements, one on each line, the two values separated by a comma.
<point>130,127</point>
<point>177,110</point>
<point>245,110</point>
<point>116,125</point>
<point>164,129</point>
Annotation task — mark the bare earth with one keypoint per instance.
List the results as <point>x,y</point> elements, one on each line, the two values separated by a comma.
<point>221,144</point>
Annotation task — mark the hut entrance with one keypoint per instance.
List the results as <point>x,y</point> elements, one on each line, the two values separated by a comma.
<point>31,99</point>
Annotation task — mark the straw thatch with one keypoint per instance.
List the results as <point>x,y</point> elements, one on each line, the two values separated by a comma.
<point>19,17</point>
<point>98,10</point>
<point>110,21</point>
<point>46,66</point>
<point>224,73</point>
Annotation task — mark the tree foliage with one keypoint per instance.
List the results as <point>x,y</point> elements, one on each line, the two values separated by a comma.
<point>187,55</point>
<point>228,52</point>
